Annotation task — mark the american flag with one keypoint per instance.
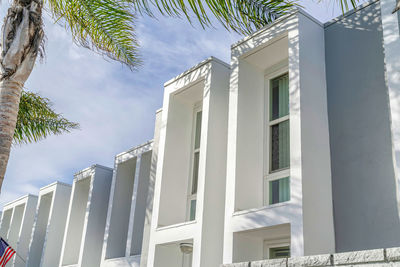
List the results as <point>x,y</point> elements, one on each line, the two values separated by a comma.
<point>6,252</point>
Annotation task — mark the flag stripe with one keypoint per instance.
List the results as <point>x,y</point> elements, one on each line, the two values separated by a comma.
<point>10,254</point>
<point>7,252</point>
<point>9,258</point>
<point>4,256</point>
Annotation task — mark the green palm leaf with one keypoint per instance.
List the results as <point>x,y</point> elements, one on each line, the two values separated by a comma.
<point>37,120</point>
<point>104,26</point>
<point>242,16</point>
<point>345,4</point>
<point>107,26</point>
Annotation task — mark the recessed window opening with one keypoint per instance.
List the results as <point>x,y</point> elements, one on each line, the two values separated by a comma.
<point>176,254</point>
<point>263,243</point>
<point>120,210</point>
<point>279,252</point>
<point>277,177</point>
<point>277,249</point>
<point>194,175</point>
<point>181,158</point>
<point>5,223</point>
<point>76,222</point>
<point>16,224</point>
<point>40,229</point>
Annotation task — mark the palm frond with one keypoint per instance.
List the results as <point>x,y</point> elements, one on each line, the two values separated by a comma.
<point>105,26</point>
<point>242,16</point>
<point>345,4</point>
<point>37,120</point>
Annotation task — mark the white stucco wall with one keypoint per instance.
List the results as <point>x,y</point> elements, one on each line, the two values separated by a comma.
<point>84,232</point>
<point>319,236</point>
<point>127,207</point>
<point>207,82</point>
<point>17,228</point>
<point>48,229</point>
<point>391,45</point>
<point>294,43</point>
<point>150,195</point>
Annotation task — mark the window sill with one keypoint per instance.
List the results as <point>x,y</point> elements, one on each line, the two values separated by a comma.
<point>273,206</point>
<point>162,228</point>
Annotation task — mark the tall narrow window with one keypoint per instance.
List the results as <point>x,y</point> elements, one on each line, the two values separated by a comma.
<point>195,165</point>
<point>277,177</point>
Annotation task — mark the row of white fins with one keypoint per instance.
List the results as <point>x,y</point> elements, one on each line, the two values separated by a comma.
<point>73,225</point>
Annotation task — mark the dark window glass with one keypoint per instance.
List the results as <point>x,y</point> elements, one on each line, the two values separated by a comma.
<point>195,172</point>
<point>279,97</point>
<point>279,190</point>
<point>280,252</point>
<point>192,210</point>
<point>198,130</point>
<point>274,192</point>
<point>280,146</point>
<point>275,100</point>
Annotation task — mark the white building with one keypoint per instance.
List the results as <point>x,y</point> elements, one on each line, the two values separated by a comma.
<point>86,221</point>
<point>311,166</point>
<point>292,149</point>
<point>16,226</point>
<point>127,207</point>
<point>188,209</point>
<point>278,134</point>
<point>48,228</point>
<point>150,193</point>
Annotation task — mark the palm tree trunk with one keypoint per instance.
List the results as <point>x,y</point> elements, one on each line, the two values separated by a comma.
<point>10,93</point>
<point>20,42</point>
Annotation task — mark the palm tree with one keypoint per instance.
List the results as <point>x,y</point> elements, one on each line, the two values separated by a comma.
<point>106,27</point>
<point>37,120</point>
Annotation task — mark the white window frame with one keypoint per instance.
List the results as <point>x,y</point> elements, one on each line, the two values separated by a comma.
<point>268,175</point>
<point>197,108</point>
<point>277,243</point>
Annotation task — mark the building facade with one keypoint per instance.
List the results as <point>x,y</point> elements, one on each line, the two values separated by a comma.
<point>127,207</point>
<point>16,226</point>
<point>49,224</point>
<point>290,150</point>
<point>190,184</point>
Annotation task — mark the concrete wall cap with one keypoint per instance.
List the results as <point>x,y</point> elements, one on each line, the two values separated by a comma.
<point>393,254</point>
<point>365,256</point>
<point>196,67</point>
<point>240,264</point>
<point>316,260</point>
<point>270,263</point>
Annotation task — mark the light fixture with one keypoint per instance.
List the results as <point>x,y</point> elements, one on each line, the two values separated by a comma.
<point>186,248</point>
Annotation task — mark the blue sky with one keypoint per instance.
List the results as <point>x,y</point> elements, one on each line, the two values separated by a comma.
<point>114,106</point>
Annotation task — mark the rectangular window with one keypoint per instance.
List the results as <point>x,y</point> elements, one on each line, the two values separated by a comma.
<point>192,215</point>
<point>279,97</point>
<point>195,172</point>
<point>280,146</point>
<point>279,252</point>
<point>279,123</point>
<point>277,183</point>
<point>197,130</point>
<point>195,165</point>
<point>279,190</point>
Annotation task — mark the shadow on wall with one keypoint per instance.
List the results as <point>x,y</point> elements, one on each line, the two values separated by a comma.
<point>363,181</point>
